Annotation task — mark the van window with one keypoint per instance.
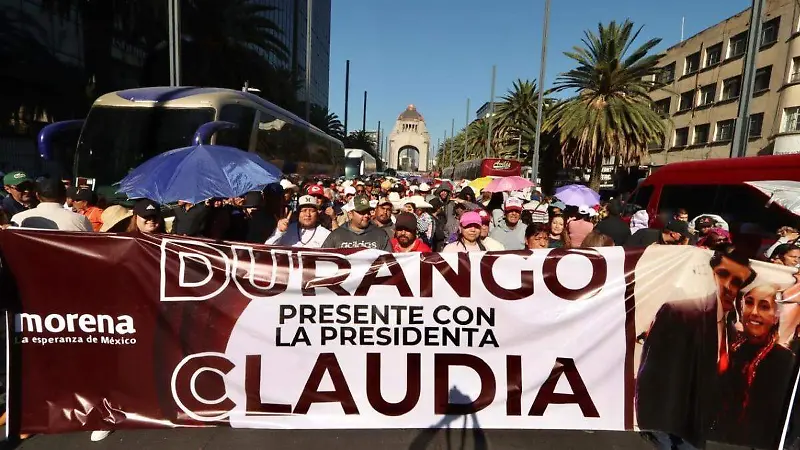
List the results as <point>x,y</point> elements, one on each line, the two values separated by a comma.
<point>696,199</point>
<point>742,204</point>
<point>639,200</point>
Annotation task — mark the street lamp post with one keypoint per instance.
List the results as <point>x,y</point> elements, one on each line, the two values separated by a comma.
<point>174,38</point>
<point>466,131</point>
<point>491,113</point>
<point>542,64</point>
<point>308,59</point>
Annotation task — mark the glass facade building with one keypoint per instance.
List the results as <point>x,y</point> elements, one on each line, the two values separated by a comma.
<point>290,16</point>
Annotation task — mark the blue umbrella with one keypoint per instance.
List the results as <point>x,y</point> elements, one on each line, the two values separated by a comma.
<point>195,174</point>
<point>577,195</point>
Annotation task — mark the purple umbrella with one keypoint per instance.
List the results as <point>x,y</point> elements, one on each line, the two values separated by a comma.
<point>577,195</point>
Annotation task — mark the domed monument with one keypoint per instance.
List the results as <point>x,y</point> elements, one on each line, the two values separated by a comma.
<point>409,142</point>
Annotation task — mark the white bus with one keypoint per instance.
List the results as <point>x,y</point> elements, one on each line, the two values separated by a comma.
<point>358,163</point>
<point>125,128</point>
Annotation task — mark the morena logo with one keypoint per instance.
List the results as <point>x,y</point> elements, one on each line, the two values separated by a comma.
<point>86,323</point>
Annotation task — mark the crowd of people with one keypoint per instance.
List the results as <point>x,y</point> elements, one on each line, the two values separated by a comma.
<point>395,215</point>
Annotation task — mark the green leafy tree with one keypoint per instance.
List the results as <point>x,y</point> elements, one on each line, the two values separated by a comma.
<point>611,114</point>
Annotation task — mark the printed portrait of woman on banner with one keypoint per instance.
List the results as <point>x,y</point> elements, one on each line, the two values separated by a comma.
<point>752,404</point>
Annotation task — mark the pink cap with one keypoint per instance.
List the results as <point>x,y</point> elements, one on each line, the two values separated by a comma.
<point>470,218</point>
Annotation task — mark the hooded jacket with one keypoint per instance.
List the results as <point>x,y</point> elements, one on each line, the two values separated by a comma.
<point>370,237</point>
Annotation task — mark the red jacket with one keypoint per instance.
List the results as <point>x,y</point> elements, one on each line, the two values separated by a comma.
<point>417,246</point>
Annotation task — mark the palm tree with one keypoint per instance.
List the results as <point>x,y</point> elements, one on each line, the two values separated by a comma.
<point>611,115</point>
<point>224,43</point>
<point>517,110</point>
<point>327,121</point>
<point>361,140</point>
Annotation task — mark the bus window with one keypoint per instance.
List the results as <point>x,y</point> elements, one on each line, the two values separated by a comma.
<point>117,139</point>
<point>741,204</point>
<point>242,116</point>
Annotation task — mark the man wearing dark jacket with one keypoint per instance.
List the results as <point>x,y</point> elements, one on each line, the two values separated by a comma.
<point>613,225</point>
<point>674,233</point>
<point>359,231</point>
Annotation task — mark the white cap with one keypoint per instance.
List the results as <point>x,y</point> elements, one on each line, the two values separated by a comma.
<point>307,200</point>
<point>373,204</point>
<point>424,187</point>
<point>349,190</point>
<point>286,184</point>
<point>583,209</point>
<point>360,183</point>
<point>512,203</point>
<point>349,206</point>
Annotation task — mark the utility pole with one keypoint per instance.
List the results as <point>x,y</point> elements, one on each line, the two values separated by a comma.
<point>174,12</point>
<point>346,93</point>
<point>491,113</point>
<point>308,59</point>
<point>444,145</point>
<point>741,125</point>
<point>453,137</point>
<point>466,131</point>
<point>539,107</point>
<point>364,120</point>
<point>378,141</point>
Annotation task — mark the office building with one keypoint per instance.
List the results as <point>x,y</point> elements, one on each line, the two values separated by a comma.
<point>290,17</point>
<point>703,78</point>
<point>484,110</point>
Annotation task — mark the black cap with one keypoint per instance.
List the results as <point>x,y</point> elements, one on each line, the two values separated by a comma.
<point>406,221</point>
<point>146,208</point>
<point>252,199</point>
<point>71,191</point>
<point>50,188</point>
<point>83,195</point>
<point>679,226</point>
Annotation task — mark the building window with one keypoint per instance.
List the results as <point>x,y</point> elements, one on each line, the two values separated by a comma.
<point>754,127</point>
<point>681,137</point>
<point>662,107</point>
<point>666,75</point>
<point>790,122</point>
<point>707,94</point>
<point>713,54</point>
<point>769,31</point>
<point>731,88</point>
<point>737,45</point>
<point>687,101</point>
<point>724,130</point>
<point>692,63</point>
<point>761,82</point>
<point>794,77</point>
<point>701,134</point>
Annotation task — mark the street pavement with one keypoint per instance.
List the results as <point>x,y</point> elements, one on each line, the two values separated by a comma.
<point>442,439</point>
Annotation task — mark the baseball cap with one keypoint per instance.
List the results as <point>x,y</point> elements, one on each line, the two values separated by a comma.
<point>406,221</point>
<point>16,178</point>
<point>286,184</point>
<point>384,201</point>
<point>424,187</point>
<point>512,204</point>
<point>470,218</point>
<point>146,208</point>
<point>584,210</point>
<point>71,191</point>
<point>307,200</point>
<point>386,185</point>
<point>361,204</point>
<point>83,195</point>
<point>349,190</point>
<point>316,190</point>
<point>252,199</point>
<point>679,226</point>
<point>704,222</point>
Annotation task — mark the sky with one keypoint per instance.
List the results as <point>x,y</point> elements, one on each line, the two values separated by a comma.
<point>437,53</point>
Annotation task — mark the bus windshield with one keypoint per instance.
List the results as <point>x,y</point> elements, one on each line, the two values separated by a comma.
<point>117,139</point>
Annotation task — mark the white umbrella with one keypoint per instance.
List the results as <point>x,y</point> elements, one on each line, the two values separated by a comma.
<point>783,192</point>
